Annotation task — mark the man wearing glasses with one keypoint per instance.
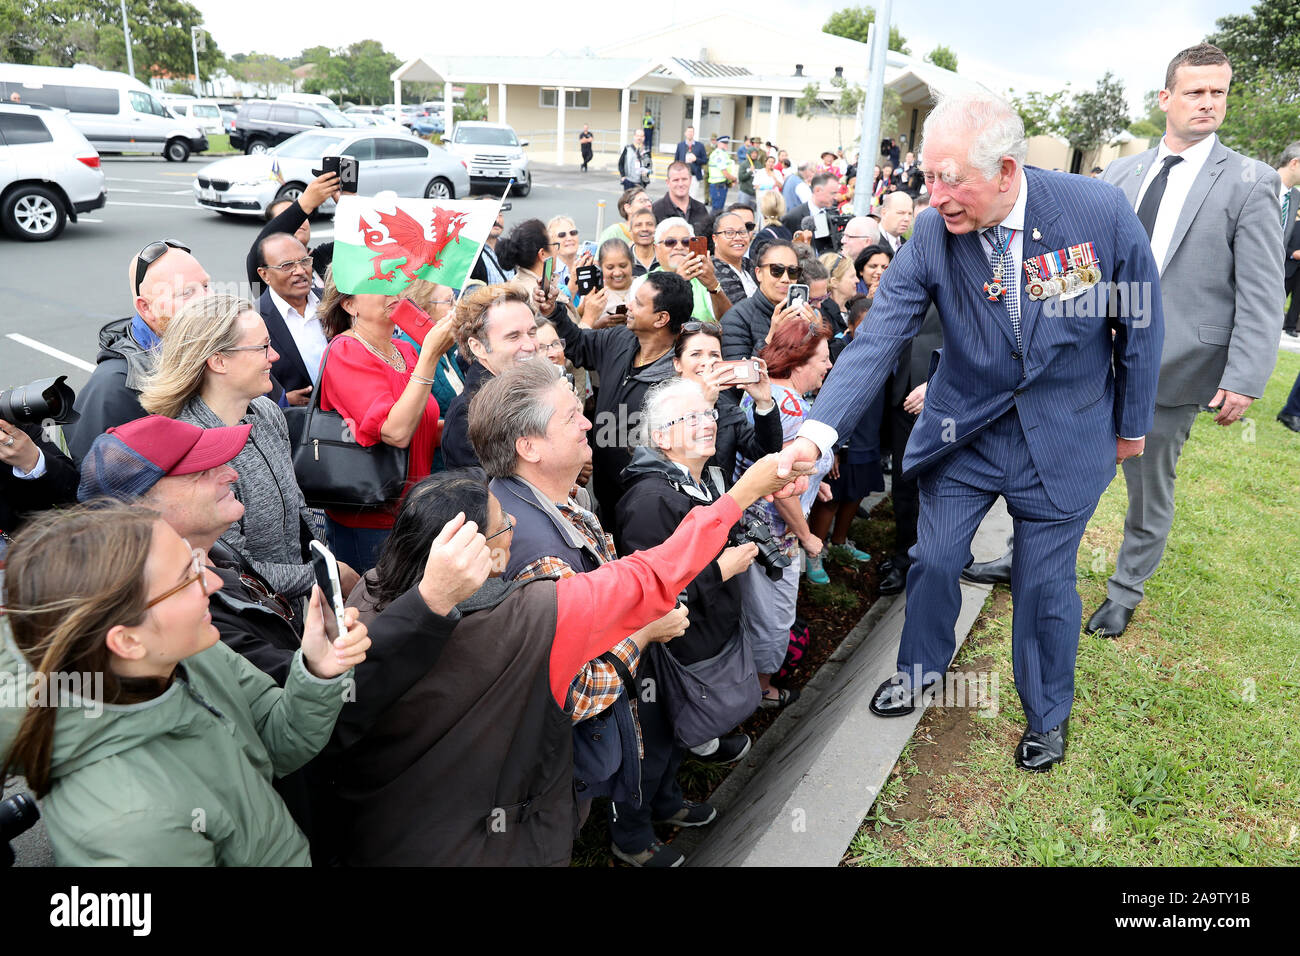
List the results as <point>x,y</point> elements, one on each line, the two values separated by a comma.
<point>288,306</point>
<point>163,276</point>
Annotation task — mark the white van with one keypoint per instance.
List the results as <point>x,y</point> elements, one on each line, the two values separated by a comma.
<point>205,114</point>
<point>309,99</point>
<point>116,112</point>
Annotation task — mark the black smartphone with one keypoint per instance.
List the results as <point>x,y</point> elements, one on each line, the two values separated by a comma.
<point>589,279</point>
<point>347,168</point>
<point>798,295</point>
<point>326,568</point>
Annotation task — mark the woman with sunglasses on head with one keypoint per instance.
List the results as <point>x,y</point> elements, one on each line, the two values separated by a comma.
<point>697,356</point>
<point>214,369</point>
<point>745,327</point>
<point>187,731</point>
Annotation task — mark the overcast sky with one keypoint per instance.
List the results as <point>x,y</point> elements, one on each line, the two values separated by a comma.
<point>1016,45</point>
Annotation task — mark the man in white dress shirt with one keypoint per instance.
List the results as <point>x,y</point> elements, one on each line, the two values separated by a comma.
<point>288,306</point>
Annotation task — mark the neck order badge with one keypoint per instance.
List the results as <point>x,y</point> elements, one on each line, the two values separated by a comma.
<point>382,243</point>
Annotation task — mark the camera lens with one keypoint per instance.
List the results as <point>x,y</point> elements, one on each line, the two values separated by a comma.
<point>35,402</point>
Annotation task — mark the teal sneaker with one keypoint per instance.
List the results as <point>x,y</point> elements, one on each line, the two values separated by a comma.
<point>848,551</point>
<point>813,570</point>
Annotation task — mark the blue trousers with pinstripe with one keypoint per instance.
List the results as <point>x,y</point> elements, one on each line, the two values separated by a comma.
<point>1047,612</point>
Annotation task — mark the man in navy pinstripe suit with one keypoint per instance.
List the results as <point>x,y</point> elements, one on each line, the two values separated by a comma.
<point>1034,396</point>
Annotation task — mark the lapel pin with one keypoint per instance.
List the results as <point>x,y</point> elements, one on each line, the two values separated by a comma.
<point>1037,235</point>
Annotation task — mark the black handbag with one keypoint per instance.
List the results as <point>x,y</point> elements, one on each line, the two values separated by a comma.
<point>706,699</point>
<point>334,471</point>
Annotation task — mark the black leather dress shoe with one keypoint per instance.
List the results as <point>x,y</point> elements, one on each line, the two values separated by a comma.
<point>997,571</point>
<point>1038,752</point>
<point>894,580</point>
<point>1109,620</point>
<point>893,699</point>
<point>1290,421</point>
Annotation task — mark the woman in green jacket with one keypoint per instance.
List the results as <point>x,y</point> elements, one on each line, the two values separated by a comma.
<point>149,741</point>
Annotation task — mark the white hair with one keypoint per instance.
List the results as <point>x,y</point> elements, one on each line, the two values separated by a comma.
<point>992,125</point>
<point>672,222</point>
<point>655,410</point>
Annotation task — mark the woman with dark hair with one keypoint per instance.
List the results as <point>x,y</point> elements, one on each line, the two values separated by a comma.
<point>524,250</point>
<point>182,721</point>
<point>696,356</point>
<point>631,201</point>
<point>745,326</point>
<point>601,308</point>
<point>870,265</point>
<point>730,263</point>
<point>383,389</point>
<point>797,361</point>
<point>473,765</point>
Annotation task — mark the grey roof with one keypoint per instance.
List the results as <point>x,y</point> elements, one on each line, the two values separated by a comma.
<point>706,68</point>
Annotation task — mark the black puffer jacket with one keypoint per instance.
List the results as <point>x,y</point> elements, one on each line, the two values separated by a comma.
<point>659,495</point>
<point>744,327</point>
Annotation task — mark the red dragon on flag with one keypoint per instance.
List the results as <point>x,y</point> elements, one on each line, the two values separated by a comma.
<point>407,238</point>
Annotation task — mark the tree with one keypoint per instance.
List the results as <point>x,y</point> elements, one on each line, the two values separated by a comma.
<point>261,70</point>
<point>854,22</point>
<point>1153,123</point>
<point>369,67</point>
<point>1263,117</point>
<point>942,57</point>
<point>1095,117</point>
<point>66,32</point>
<point>1040,112</point>
<point>845,105</point>
<point>471,106</point>
<point>1266,40</point>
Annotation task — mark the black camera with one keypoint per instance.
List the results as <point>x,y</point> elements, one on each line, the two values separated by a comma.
<point>17,815</point>
<point>774,562</point>
<point>39,401</point>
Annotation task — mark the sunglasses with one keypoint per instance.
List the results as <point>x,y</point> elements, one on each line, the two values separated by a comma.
<point>270,599</point>
<point>151,254</point>
<point>690,328</point>
<point>565,235</point>
<point>776,271</point>
<point>674,243</point>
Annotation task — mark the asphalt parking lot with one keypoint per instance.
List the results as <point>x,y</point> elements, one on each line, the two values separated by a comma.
<point>54,296</point>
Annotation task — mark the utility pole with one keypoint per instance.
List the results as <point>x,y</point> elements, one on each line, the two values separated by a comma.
<point>126,31</point>
<point>197,38</point>
<point>871,106</point>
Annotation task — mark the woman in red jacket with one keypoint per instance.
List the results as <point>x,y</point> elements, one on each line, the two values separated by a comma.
<point>384,392</point>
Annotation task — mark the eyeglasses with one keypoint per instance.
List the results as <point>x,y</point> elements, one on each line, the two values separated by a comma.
<point>731,233</point>
<point>690,328</point>
<point>288,267</point>
<point>556,346</point>
<point>565,235</point>
<point>694,419</point>
<point>510,526</point>
<point>776,271</point>
<point>197,573</point>
<point>818,299</point>
<point>151,254</point>
<point>674,243</point>
<point>251,348</point>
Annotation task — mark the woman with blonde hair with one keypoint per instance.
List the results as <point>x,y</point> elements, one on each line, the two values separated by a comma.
<point>771,207</point>
<point>843,283</point>
<point>215,370</point>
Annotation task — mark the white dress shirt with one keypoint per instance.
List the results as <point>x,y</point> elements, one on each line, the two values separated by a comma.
<point>305,329</point>
<point>821,434</point>
<point>1181,177</point>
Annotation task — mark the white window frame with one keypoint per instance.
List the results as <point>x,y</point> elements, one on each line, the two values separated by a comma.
<point>570,98</point>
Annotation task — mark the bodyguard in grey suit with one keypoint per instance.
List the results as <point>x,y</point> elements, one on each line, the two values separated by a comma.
<point>1289,171</point>
<point>1212,216</point>
<point>1034,397</point>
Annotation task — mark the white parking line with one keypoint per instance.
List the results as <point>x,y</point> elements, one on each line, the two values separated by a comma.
<point>154,205</point>
<point>51,350</point>
<point>87,219</point>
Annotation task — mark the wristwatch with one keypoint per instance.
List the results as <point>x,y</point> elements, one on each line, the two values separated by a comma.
<point>714,291</point>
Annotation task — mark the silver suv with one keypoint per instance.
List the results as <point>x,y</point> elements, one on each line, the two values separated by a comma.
<point>493,155</point>
<point>49,172</point>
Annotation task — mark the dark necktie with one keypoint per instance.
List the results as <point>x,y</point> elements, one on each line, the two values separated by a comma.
<point>1150,206</point>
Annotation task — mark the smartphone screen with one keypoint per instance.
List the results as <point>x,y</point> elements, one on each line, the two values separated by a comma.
<point>326,569</point>
<point>548,270</point>
<point>412,320</point>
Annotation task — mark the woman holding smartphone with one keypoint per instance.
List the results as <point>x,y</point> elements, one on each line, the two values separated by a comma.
<point>178,770</point>
<point>608,304</point>
<point>568,253</point>
<point>747,326</point>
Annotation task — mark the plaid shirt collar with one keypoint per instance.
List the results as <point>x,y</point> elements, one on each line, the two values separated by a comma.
<point>578,526</point>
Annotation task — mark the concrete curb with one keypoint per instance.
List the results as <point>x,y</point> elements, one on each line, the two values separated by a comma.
<point>805,788</point>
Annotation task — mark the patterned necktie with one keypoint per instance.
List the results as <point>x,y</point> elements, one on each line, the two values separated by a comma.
<point>1004,266</point>
<point>1286,208</point>
<point>1150,206</point>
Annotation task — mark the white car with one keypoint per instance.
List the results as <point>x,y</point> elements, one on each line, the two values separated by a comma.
<point>493,154</point>
<point>49,172</point>
<point>248,185</point>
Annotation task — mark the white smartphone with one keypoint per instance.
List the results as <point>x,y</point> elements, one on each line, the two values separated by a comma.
<point>326,568</point>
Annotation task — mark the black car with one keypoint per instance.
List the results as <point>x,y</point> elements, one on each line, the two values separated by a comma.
<point>260,126</point>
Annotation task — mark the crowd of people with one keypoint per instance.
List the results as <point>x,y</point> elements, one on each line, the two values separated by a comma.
<point>588,570</point>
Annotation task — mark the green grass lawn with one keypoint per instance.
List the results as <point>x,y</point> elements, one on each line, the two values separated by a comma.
<point>1183,745</point>
<point>219,145</point>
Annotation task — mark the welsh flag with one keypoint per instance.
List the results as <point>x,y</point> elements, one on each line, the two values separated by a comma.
<point>383,243</point>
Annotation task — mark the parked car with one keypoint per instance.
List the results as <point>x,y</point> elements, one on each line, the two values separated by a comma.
<point>204,114</point>
<point>493,154</point>
<point>228,119</point>
<point>115,112</point>
<point>248,185</point>
<point>49,172</point>
<point>260,126</point>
